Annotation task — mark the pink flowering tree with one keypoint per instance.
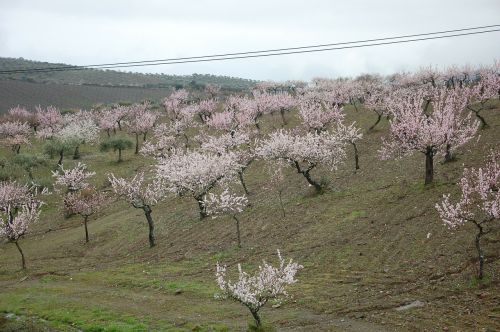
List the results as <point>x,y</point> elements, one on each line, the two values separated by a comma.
<point>351,134</point>
<point>108,120</point>
<point>174,103</point>
<point>50,121</point>
<point>377,99</point>
<point>18,210</point>
<point>22,115</point>
<point>413,129</point>
<point>161,143</point>
<point>317,116</point>
<point>15,134</point>
<point>141,121</point>
<point>479,202</point>
<point>194,173</point>
<point>226,204</point>
<point>141,195</point>
<point>212,90</point>
<point>85,202</point>
<point>304,152</point>
<point>206,108</point>
<point>254,291</point>
<point>487,88</point>
<point>237,142</point>
<point>73,179</point>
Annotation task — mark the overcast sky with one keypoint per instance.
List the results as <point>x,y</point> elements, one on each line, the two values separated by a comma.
<point>102,31</point>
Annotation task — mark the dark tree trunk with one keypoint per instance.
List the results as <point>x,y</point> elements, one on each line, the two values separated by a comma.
<point>483,121</point>
<point>120,155</point>
<point>144,136</point>
<point>203,211</point>
<point>280,192</point>
<point>356,155</point>
<point>187,140</point>
<point>240,175</point>
<point>76,154</point>
<point>308,177</point>
<point>480,251</point>
<point>479,116</point>
<point>151,225</point>
<point>23,262</point>
<point>107,132</point>
<point>238,230</point>
<point>61,156</point>
<point>119,125</point>
<point>429,166</point>
<point>379,117</point>
<point>85,218</point>
<point>255,314</point>
<point>136,143</point>
<point>18,149</point>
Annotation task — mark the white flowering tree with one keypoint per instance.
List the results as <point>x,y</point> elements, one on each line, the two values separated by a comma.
<point>85,202</point>
<point>226,204</point>
<point>79,128</point>
<point>304,152</point>
<point>72,179</point>
<point>18,210</point>
<point>141,195</point>
<point>479,202</point>
<point>193,173</point>
<point>254,291</point>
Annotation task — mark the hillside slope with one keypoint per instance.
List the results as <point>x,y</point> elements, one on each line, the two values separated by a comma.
<point>113,77</point>
<point>370,244</point>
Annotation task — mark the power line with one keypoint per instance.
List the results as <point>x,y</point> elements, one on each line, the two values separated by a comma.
<point>256,54</point>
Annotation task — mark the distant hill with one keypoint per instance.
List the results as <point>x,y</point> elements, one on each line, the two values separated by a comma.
<point>116,78</point>
<point>84,88</point>
<point>13,93</point>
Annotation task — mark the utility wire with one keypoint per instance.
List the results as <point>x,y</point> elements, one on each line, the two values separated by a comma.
<point>256,54</point>
<point>262,51</point>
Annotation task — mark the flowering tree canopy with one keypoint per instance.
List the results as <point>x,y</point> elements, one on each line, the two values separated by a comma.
<point>195,173</point>
<point>304,152</point>
<point>479,202</point>
<point>73,179</point>
<point>415,129</point>
<point>19,208</point>
<point>254,291</point>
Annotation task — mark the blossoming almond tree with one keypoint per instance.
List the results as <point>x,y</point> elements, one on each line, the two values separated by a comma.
<point>140,195</point>
<point>141,121</point>
<point>72,179</point>
<point>413,129</point>
<point>15,134</point>
<point>226,204</point>
<point>78,128</point>
<point>50,121</point>
<point>18,210</point>
<point>194,173</point>
<point>317,116</point>
<point>479,202</point>
<point>236,142</point>
<point>254,291</point>
<point>304,152</point>
<point>85,202</point>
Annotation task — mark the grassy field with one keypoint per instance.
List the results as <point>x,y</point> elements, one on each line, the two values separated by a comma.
<point>371,243</point>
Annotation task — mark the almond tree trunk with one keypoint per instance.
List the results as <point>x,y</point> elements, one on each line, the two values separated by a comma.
<point>151,225</point>
<point>429,166</point>
<point>23,262</point>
